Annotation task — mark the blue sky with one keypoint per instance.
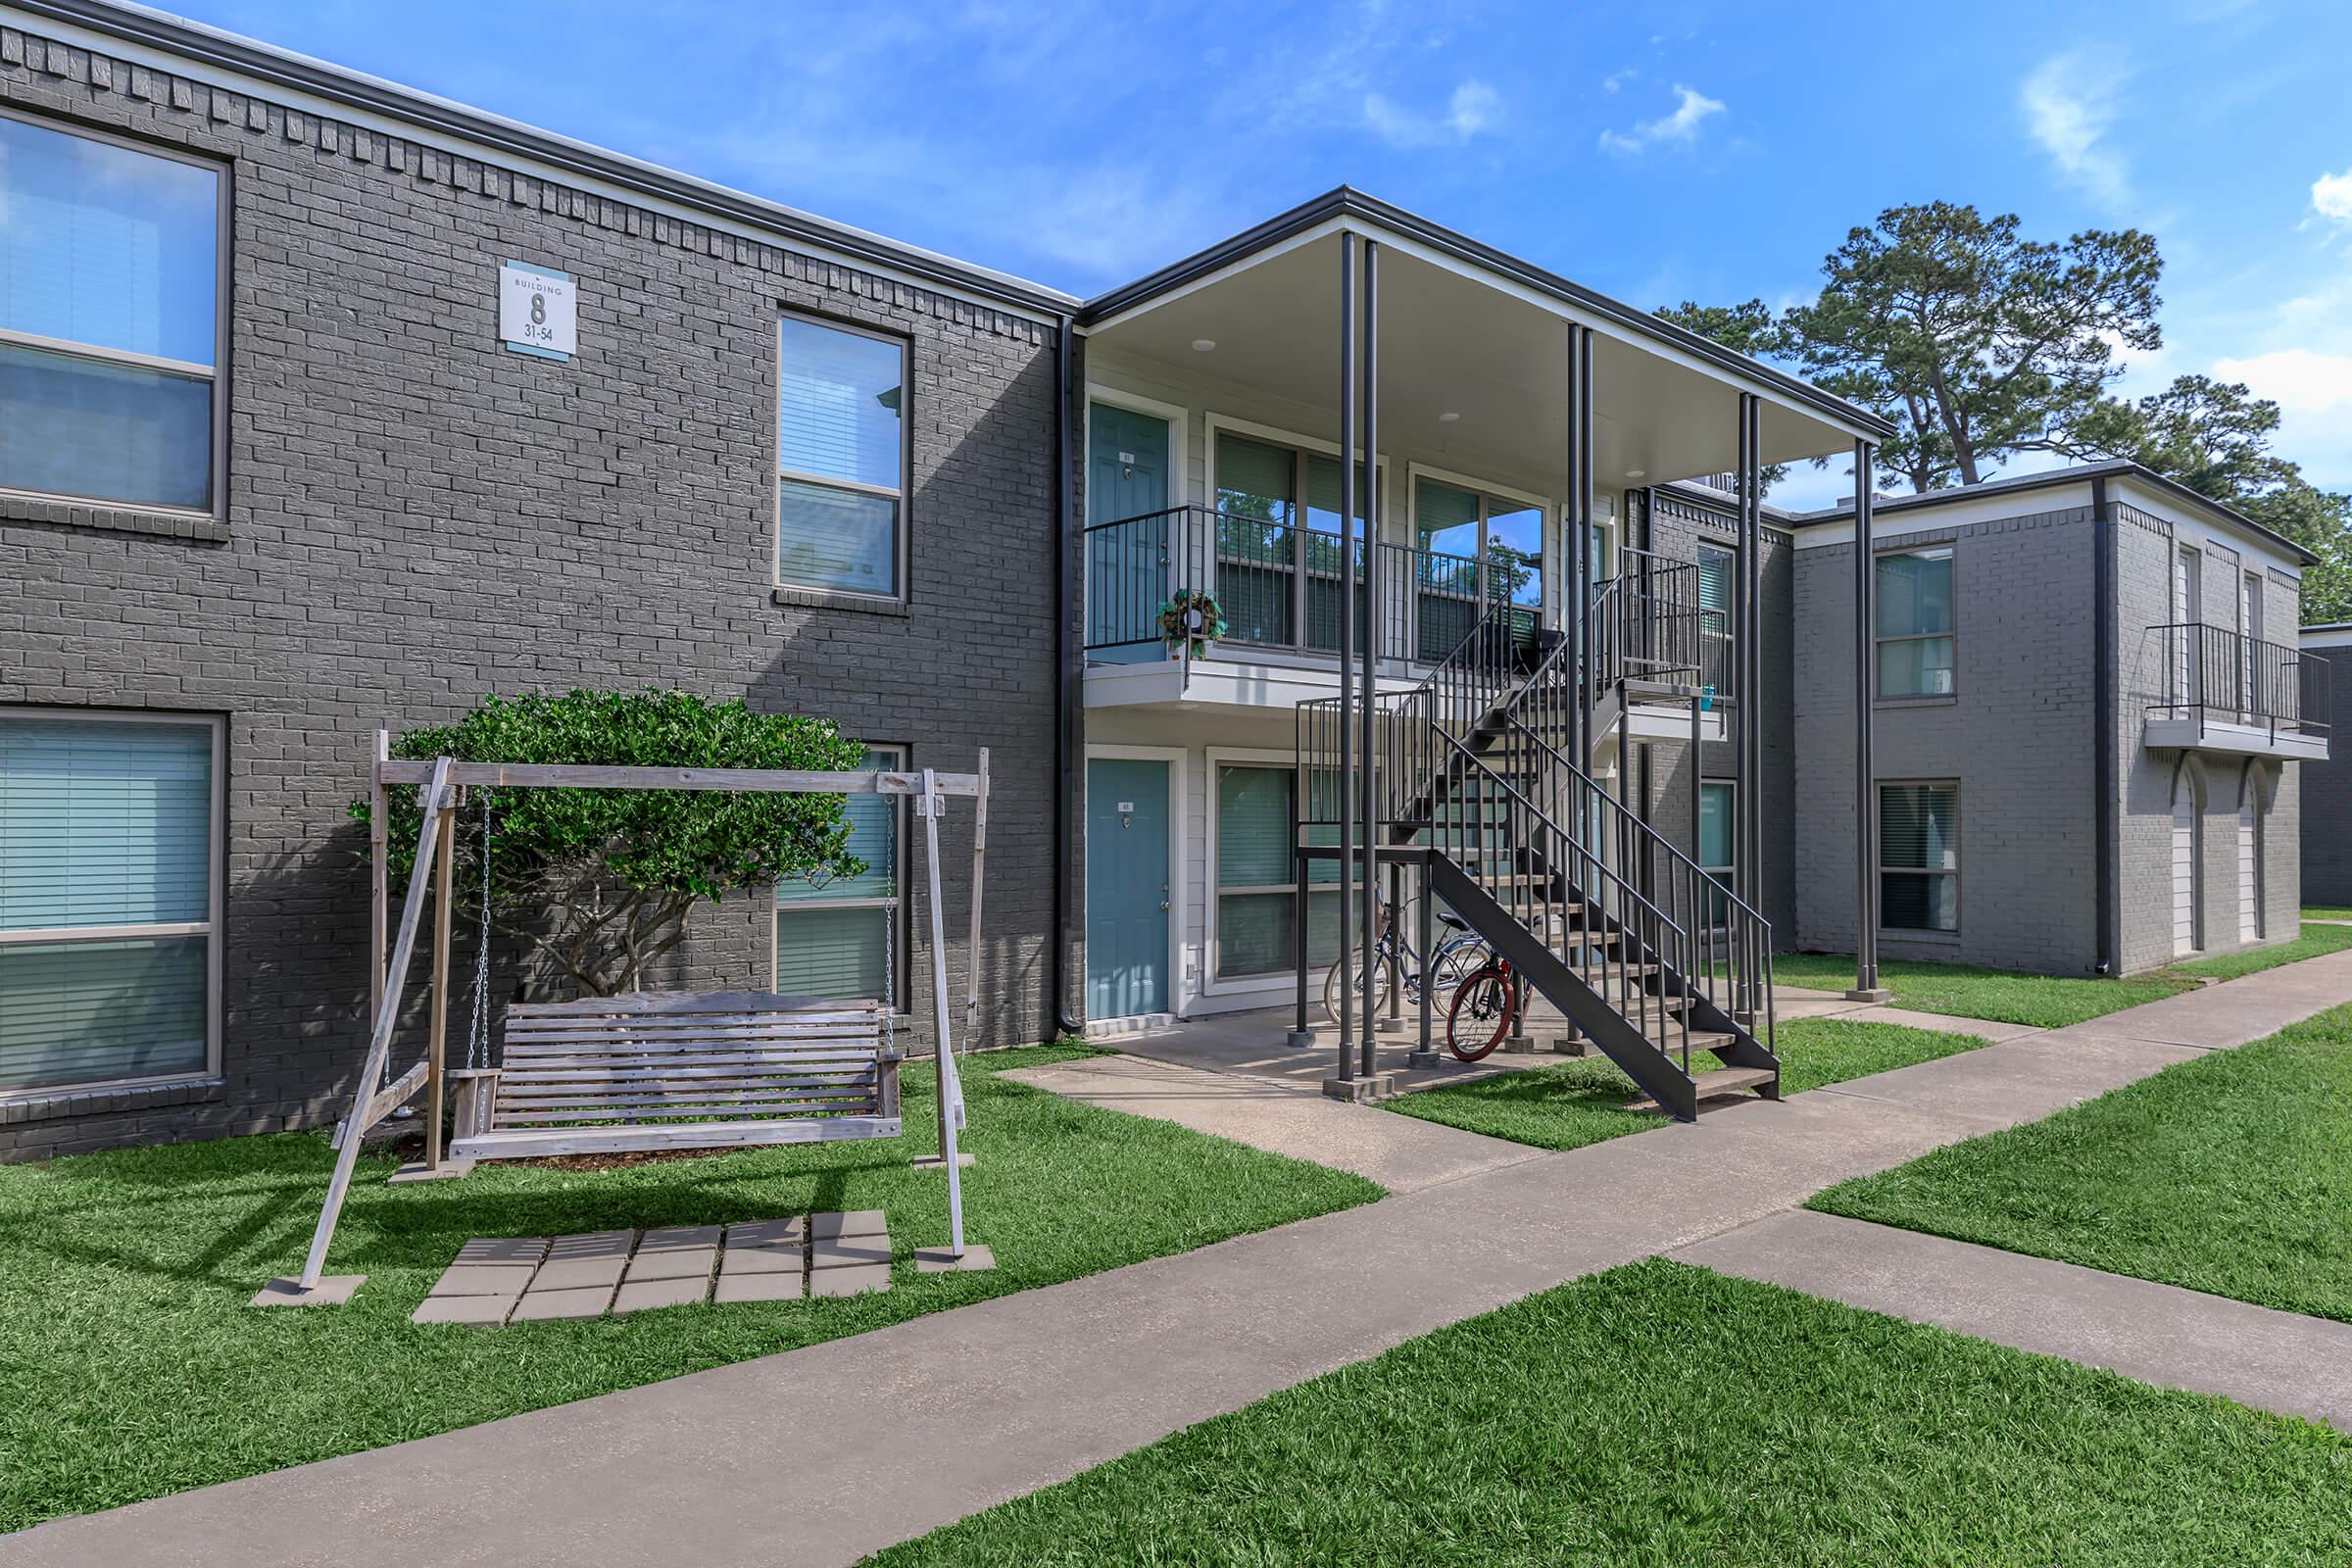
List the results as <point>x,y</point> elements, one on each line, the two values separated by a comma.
<point>1672,149</point>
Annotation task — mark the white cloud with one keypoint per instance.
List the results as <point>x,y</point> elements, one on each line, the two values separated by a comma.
<point>1692,109</point>
<point>2332,196</point>
<point>1618,78</point>
<point>1474,108</point>
<point>2069,102</point>
<point>2298,380</point>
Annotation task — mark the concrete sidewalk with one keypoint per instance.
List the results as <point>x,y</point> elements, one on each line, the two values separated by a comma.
<point>824,1454</point>
<point>2159,1334</point>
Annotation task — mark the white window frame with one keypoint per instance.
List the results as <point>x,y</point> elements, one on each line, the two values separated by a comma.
<point>902,496</point>
<point>901,1004</point>
<point>1959,909</point>
<point>216,375</point>
<point>1178,419</point>
<point>208,928</point>
<point>1950,553</point>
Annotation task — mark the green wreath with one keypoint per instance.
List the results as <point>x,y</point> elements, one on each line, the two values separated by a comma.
<point>1193,616</point>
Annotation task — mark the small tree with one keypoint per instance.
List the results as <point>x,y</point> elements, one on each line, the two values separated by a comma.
<point>598,883</point>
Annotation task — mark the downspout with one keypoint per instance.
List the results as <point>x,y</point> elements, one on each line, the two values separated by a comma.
<point>1068,715</point>
<point>2104,636</point>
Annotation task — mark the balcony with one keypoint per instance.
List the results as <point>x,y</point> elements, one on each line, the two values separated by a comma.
<point>1281,587</point>
<point>2222,691</point>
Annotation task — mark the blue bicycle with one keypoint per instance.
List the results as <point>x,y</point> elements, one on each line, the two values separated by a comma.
<point>1457,956</point>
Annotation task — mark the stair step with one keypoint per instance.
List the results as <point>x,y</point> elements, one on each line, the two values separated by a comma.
<point>1731,1080</point>
<point>1700,1040</point>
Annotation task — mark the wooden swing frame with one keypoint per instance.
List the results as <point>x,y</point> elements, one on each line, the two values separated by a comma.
<point>392,948</point>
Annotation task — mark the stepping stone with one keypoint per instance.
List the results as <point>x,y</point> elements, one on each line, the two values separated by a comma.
<point>850,1252</point>
<point>753,1287</point>
<point>683,1264</point>
<point>540,1305</point>
<point>939,1261</point>
<point>579,1262</point>
<point>861,1223</point>
<point>849,1281</point>
<point>504,1250</point>
<point>484,1279</point>
<point>764,1259</point>
<point>636,1295</point>
<point>678,1237</point>
<point>478,1311</point>
<point>769,1232</point>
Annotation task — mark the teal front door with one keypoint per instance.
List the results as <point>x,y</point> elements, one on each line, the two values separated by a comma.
<point>1126,887</point>
<point>1126,565</point>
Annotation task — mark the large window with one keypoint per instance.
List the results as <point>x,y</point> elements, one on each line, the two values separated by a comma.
<point>109,319</point>
<point>1280,555</point>
<point>1919,856</point>
<point>1718,573</point>
<point>847,939</point>
<point>1715,842</point>
<point>841,445</point>
<point>108,899</point>
<point>1257,896</point>
<point>1915,623</point>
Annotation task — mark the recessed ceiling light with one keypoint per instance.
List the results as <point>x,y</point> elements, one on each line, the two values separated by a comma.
<point>1635,474</point>
<point>1201,345</point>
<point>1449,418</point>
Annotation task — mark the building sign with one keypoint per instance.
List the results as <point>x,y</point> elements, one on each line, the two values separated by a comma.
<point>535,310</point>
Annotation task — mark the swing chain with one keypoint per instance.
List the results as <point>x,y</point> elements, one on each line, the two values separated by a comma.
<point>478,1044</point>
<point>890,973</point>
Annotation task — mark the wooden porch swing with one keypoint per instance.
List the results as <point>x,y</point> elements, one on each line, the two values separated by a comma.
<point>648,1071</point>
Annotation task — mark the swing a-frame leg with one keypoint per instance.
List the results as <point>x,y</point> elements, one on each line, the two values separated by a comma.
<point>371,1100</point>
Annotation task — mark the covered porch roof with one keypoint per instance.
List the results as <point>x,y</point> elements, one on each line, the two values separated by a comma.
<point>1468,332</point>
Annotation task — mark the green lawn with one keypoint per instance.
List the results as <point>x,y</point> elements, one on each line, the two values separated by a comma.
<point>2230,1173</point>
<point>131,1366</point>
<point>2315,941</point>
<point>2326,911</point>
<point>1666,1416</point>
<point>2045,1002</point>
<point>1583,1101</point>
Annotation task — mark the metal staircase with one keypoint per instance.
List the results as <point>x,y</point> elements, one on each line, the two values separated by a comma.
<point>1653,959</point>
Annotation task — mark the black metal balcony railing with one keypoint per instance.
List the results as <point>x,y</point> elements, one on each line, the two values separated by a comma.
<point>2214,673</point>
<point>1648,624</point>
<point>1281,585</point>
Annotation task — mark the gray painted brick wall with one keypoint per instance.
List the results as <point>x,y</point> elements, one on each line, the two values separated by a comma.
<point>2327,802</point>
<point>2015,737</point>
<point>416,517</point>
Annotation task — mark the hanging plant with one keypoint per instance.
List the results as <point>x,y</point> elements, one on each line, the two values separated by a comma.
<point>1193,617</point>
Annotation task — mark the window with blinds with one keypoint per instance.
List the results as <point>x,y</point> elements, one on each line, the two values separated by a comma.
<point>108,893</point>
<point>1256,893</point>
<point>844,939</point>
<point>1916,648</point>
<point>1919,856</point>
<point>109,309</point>
<point>841,458</point>
<point>1715,842</point>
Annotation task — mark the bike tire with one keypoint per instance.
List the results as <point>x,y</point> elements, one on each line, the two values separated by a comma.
<point>1382,980</point>
<point>1480,1016</point>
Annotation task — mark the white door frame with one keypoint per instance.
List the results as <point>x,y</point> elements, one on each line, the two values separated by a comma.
<point>1179,858</point>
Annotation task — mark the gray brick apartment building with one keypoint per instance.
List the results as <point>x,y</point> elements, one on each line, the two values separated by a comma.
<point>2328,785</point>
<point>2091,725</point>
<point>272,478</point>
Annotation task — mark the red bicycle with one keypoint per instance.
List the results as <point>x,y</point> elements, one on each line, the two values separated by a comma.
<point>1484,1005</point>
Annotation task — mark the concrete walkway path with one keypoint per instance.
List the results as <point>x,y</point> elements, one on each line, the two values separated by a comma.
<point>1401,1153</point>
<point>2159,1334</point>
<point>827,1454</point>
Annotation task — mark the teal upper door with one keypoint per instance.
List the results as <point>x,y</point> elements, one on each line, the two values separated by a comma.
<point>1126,887</point>
<point>1126,571</point>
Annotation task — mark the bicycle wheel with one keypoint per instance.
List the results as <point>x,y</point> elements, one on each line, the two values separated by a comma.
<point>1456,961</point>
<point>1383,977</point>
<point>1480,1016</point>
